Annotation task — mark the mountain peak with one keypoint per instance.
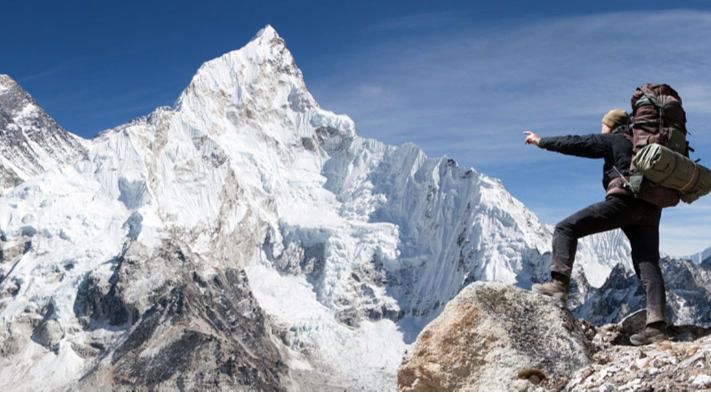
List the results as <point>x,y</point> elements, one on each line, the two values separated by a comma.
<point>6,83</point>
<point>30,140</point>
<point>268,46</point>
<point>6,79</point>
<point>266,33</point>
<point>14,95</point>
<point>265,63</point>
<point>268,41</point>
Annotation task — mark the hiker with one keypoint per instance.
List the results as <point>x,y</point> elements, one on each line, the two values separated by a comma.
<point>638,219</point>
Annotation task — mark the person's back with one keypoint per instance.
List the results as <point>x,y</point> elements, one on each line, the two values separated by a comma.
<point>638,219</point>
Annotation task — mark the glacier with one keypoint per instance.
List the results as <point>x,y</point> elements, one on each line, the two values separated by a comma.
<point>250,228</point>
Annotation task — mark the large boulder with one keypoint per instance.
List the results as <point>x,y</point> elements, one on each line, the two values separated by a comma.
<point>496,337</point>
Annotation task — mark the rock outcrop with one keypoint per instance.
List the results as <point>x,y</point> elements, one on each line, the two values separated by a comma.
<point>680,364</point>
<point>194,331</point>
<point>495,337</point>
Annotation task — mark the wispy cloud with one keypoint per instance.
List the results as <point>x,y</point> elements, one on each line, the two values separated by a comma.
<point>468,92</point>
<point>52,70</point>
<point>417,22</point>
<point>553,75</point>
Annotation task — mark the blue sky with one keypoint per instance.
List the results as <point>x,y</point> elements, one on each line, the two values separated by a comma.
<point>458,78</point>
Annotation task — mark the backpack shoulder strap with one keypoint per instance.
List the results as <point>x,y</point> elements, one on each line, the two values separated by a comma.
<point>648,97</point>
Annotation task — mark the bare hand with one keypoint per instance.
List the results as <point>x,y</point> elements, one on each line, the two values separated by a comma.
<point>532,138</point>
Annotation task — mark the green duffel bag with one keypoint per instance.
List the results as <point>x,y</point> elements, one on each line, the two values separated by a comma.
<point>670,169</point>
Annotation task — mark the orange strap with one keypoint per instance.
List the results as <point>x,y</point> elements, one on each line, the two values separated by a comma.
<point>692,180</point>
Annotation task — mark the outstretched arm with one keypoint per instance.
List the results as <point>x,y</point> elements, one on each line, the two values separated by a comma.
<point>590,146</point>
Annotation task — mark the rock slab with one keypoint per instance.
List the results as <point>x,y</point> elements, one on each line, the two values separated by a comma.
<point>496,337</point>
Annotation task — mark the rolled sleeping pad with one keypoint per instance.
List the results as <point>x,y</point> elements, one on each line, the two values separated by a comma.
<point>670,169</point>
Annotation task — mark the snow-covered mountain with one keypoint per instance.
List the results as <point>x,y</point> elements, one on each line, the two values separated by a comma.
<point>243,239</point>
<point>703,257</point>
<point>31,141</point>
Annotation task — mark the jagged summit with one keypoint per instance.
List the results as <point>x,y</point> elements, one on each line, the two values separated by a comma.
<point>13,95</point>
<point>264,66</point>
<point>31,141</point>
<point>267,33</point>
<point>6,83</point>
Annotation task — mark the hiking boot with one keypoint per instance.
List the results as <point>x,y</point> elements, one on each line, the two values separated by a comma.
<point>556,289</point>
<point>650,334</point>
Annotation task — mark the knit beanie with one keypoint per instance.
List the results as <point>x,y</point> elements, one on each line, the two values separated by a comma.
<point>615,118</point>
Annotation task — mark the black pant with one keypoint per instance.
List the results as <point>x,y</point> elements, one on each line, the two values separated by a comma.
<point>639,221</point>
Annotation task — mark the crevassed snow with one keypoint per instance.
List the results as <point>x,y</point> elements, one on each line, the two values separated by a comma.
<point>366,357</point>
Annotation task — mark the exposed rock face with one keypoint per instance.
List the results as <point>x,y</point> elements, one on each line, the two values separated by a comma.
<point>495,337</point>
<point>192,332</point>
<point>8,177</point>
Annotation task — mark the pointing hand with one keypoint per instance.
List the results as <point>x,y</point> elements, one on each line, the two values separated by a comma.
<point>532,138</point>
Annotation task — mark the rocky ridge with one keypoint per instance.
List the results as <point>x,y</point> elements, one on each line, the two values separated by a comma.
<point>681,364</point>
<point>494,337</point>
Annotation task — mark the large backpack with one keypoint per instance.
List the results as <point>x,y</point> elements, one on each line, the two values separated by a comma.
<point>657,117</point>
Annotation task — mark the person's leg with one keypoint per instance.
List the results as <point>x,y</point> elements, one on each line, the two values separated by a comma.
<point>610,214</point>
<point>644,240</point>
<point>645,255</point>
